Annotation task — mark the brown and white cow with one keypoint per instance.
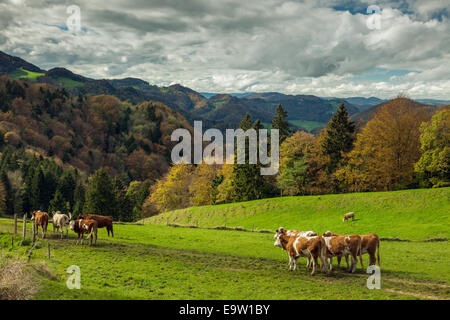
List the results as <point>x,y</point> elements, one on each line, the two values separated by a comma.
<point>81,227</point>
<point>103,221</point>
<point>342,246</point>
<point>370,243</point>
<point>302,244</point>
<point>59,221</point>
<point>349,215</point>
<point>40,219</point>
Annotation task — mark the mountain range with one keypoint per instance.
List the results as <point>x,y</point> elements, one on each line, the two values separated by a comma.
<point>218,110</point>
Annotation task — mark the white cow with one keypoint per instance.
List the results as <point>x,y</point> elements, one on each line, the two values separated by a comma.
<point>59,221</point>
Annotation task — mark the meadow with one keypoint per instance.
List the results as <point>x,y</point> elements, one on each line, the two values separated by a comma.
<point>155,261</point>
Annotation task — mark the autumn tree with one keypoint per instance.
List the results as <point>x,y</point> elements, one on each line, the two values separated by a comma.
<point>434,164</point>
<point>387,148</point>
<point>172,191</point>
<point>202,188</point>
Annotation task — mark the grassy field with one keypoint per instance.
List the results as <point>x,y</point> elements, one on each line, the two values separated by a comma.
<point>154,261</point>
<point>411,214</point>
<point>25,74</point>
<point>308,125</point>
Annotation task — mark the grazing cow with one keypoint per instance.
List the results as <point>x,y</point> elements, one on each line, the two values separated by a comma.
<point>103,221</point>
<point>302,244</point>
<point>40,219</point>
<point>295,233</point>
<point>369,244</point>
<point>60,221</point>
<point>348,216</point>
<point>343,246</point>
<point>81,227</point>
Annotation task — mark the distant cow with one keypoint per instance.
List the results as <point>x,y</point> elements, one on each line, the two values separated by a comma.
<point>342,246</point>
<point>369,244</point>
<point>348,216</point>
<point>60,221</point>
<point>81,227</point>
<point>103,221</point>
<point>302,244</point>
<point>40,219</point>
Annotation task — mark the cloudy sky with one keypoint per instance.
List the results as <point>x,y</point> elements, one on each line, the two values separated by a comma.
<point>326,48</point>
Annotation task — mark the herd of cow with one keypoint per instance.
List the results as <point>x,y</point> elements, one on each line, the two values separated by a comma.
<point>84,223</point>
<point>315,247</point>
<point>296,243</point>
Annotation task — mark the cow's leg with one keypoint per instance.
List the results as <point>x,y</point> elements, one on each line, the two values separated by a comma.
<point>346,260</point>
<point>62,233</point>
<point>112,233</point>
<point>330,262</point>
<point>308,262</point>
<point>295,263</point>
<point>95,238</point>
<point>90,239</point>
<point>314,261</point>
<point>354,261</point>
<point>67,231</point>
<point>339,261</point>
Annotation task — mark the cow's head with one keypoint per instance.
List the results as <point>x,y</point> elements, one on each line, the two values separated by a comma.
<point>72,225</point>
<point>329,234</point>
<point>279,237</point>
<point>32,213</point>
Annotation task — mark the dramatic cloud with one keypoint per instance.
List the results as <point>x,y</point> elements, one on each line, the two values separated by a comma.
<point>319,47</point>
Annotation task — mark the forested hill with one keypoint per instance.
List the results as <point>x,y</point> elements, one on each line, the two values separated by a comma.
<point>87,132</point>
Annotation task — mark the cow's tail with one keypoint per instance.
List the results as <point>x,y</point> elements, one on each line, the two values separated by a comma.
<point>360,253</point>
<point>378,252</point>
<point>323,254</point>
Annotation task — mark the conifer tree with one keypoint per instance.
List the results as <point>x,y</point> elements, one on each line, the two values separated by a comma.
<point>339,137</point>
<point>279,122</point>
<point>100,195</point>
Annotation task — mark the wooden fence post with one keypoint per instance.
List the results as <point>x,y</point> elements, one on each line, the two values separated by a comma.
<point>12,242</point>
<point>34,231</point>
<point>24,225</point>
<point>252,227</point>
<point>15,223</point>
<point>48,248</point>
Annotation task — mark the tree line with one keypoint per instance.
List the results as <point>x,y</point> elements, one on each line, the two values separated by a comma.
<point>30,182</point>
<point>402,146</point>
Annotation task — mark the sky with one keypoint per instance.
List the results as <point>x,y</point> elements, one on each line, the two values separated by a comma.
<point>337,48</point>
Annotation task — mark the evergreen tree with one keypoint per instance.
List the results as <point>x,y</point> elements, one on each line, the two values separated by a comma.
<point>339,137</point>
<point>37,190</point>
<point>67,185</point>
<point>248,184</point>
<point>100,195</point>
<point>9,193</point>
<point>58,203</point>
<point>79,199</point>
<point>123,207</point>
<point>279,122</point>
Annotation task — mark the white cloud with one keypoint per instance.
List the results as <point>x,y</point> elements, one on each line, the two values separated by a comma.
<point>294,47</point>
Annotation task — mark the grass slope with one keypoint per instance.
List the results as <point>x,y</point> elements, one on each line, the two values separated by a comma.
<point>159,262</point>
<point>410,214</point>
<point>154,261</point>
<point>21,73</point>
